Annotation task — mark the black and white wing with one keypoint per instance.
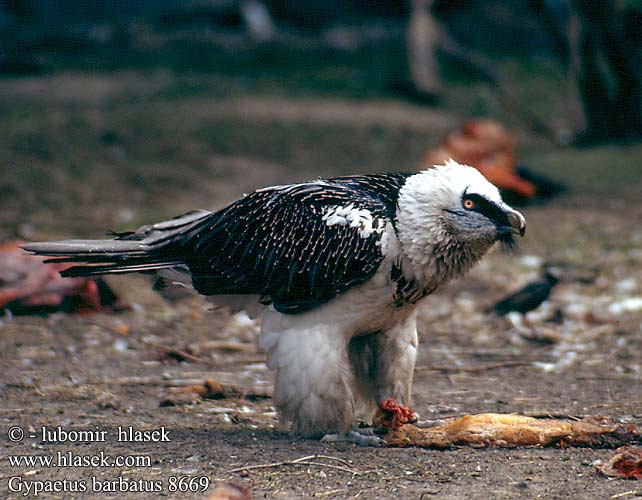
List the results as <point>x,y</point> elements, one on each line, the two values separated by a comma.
<point>296,246</point>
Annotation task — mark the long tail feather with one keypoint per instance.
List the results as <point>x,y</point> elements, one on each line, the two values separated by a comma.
<point>149,248</point>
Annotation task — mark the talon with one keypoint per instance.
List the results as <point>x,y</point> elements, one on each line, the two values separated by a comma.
<point>364,431</point>
<point>426,424</point>
<point>355,437</point>
<point>371,431</point>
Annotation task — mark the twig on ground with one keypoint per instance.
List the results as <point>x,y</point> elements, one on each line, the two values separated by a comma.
<point>177,353</point>
<point>303,461</point>
<point>480,368</point>
<point>226,345</point>
<point>552,414</point>
<point>330,492</point>
<point>627,494</point>
<point>257,391</point>
<point>167,350</point>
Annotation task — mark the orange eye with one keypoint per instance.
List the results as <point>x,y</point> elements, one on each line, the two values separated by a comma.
<point>469,204</point>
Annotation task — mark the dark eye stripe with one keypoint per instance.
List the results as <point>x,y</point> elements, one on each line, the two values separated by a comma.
<point>489,209</point>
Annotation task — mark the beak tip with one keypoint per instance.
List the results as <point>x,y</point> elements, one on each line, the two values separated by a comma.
<point>517,222</point>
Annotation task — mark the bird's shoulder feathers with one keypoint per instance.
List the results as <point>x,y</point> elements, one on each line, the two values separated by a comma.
<point>298,245</point>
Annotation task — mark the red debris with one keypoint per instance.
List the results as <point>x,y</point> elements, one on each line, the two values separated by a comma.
<point>393,415</point>
<point>28,286</point>
<point>625,463</point>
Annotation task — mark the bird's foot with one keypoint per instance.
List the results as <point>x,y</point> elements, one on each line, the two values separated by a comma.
<point>363,437</point>
<point>426,424</point>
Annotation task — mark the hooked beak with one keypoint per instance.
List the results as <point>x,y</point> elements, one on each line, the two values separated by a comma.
<point>517,222</point>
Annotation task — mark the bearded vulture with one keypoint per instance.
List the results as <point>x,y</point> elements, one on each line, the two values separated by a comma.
<point>337,267</point>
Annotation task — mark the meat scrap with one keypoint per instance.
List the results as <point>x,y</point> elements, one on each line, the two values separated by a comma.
<point>507,431</point>
<point>393,415</point>
<point>210,389</point>
<point>625,463</point>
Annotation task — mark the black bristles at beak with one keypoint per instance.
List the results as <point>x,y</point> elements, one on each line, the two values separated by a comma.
<point>507,241</point>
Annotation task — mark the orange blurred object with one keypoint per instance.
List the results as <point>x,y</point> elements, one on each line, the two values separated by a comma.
<point>487,146</point>
<point>28,286</point>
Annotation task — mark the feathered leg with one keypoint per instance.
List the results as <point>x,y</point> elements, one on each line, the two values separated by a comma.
<point>396,351</point>
<point>312,379</point>
<point>382,366</point>
<point>362,353</point>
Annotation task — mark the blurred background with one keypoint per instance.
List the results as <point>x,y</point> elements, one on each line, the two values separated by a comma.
<point>116,113</point>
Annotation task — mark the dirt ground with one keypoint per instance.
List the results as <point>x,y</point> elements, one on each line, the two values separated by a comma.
<point>578,355</point>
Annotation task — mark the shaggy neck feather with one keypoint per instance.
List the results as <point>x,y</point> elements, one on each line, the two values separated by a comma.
<point>429,247</point>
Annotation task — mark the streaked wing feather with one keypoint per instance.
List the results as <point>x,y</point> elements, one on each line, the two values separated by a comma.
<point>274,243</point>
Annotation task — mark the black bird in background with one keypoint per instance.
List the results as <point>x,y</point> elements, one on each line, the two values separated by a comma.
<point>528,298</point>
